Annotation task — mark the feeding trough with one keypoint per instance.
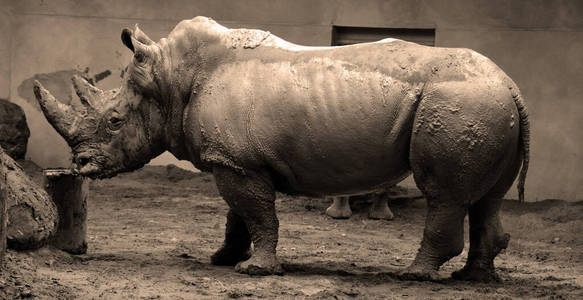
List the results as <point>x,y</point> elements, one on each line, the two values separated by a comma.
<point>69,192</point>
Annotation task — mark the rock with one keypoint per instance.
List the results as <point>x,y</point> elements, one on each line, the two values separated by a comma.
<point>2,215</point>
<point>33,171</point>
<point>14,132</point>
<point>32,215</point>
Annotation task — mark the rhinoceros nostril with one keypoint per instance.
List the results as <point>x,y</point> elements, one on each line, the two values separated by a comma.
<point>83,160</point>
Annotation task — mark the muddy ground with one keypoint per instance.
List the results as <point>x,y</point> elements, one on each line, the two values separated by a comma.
<point>151,233</point>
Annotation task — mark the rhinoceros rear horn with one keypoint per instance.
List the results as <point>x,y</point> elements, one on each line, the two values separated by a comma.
<point>88,94</point>
<point>61,116</point>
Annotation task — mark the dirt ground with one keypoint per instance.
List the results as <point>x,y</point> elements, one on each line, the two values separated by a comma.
<point>151,234</point>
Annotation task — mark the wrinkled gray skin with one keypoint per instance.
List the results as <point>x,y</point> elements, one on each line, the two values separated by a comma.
<point>264,115</point>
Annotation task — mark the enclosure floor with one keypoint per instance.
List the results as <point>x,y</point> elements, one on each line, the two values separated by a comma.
<point>151,235</point>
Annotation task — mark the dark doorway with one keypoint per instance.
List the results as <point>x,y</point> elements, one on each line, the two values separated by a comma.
<point>344,35</point>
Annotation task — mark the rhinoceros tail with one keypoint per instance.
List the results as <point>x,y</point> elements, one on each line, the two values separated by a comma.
<point>524,140</point>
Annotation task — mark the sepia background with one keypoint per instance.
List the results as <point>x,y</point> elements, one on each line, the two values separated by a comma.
<point>150,233</point>
<point>538,43</point>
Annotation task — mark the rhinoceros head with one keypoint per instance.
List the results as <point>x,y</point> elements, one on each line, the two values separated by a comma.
<point>117,130</point>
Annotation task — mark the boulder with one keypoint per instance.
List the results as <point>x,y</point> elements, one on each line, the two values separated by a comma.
<point>32,215</point>
<point>14,131</point>
<point>2,215</point>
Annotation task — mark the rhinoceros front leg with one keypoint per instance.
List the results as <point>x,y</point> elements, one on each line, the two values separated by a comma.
<point>252,198</point>
<point>236,246</point>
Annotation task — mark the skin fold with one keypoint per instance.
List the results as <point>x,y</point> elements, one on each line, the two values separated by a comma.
<point>264,115</point>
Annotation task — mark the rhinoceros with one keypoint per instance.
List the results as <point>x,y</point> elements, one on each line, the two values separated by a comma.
<point>379,208</point>
<point>265,115</point>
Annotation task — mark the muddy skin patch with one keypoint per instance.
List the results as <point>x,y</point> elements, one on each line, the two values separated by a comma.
<point>247,38</point>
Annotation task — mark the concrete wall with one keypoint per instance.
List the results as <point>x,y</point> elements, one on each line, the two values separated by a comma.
<point>5,46</point>
<point>538,43</point>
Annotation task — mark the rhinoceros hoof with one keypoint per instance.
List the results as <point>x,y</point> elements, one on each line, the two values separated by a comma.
<point>259,266</point>
<point>337,213</point>
<point>227,256</point>
<point>476,274</point>
<point>418,274</point>
<point>381,215</point>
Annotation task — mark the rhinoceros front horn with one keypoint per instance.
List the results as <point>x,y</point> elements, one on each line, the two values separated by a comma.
<point>61,116</point>
<point>88,94</point>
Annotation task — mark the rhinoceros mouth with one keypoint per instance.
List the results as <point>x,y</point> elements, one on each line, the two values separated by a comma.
<point>94,171</point>
<point>92,164</point>
<point>91,170</point>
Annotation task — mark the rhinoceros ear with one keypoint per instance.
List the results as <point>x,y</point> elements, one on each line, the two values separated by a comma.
<point>142,37</point>
<point>141,47</point>
<point>126,38</point>
<point>129,38</point>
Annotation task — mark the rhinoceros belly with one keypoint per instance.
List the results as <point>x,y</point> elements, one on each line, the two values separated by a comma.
<point>321,126</point>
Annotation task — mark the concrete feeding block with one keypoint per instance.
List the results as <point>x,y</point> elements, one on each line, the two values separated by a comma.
<point>69,192</point>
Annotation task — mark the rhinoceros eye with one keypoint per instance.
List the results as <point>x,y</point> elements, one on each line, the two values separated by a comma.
<point>114,123</point>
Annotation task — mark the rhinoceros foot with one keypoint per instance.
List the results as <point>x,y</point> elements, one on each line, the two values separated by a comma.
<point>376,215</point>
<point>419,274</point>
<point>337,213</point>
<point>229,256</point>
<point>260,265</point>
<point>340,208</point>
<point>380,213</point>
<point>476,274</point>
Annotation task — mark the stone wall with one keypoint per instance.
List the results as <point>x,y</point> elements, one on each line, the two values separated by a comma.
<point>538,43</point>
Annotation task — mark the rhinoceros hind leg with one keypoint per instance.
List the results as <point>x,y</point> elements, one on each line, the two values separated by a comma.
<point>487,239</point>
<point>443,235</point>
<point>236,246</point>
<point>379,209</point>
<point>340,208</point>
<point>252,197</point>
<point>443,238</point>
<point>418,273</point>
<point>460,157</point>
